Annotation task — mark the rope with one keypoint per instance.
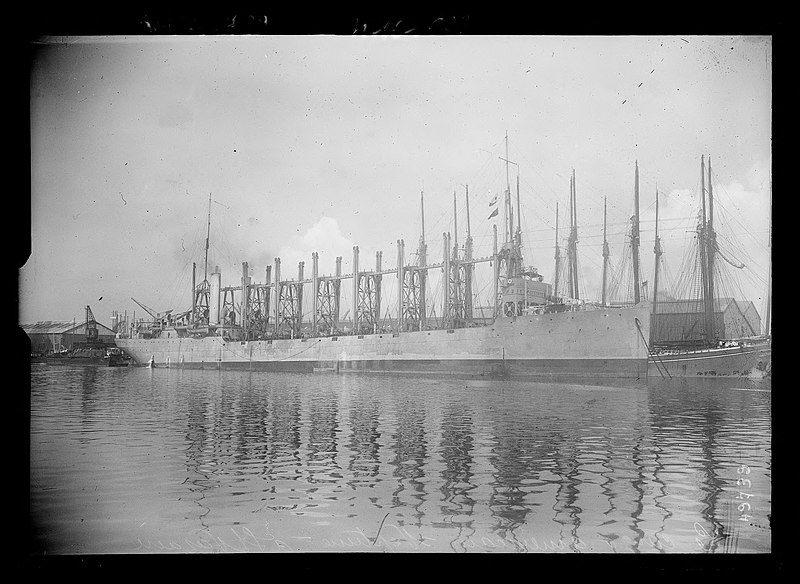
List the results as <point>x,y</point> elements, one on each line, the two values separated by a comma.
<point>656,357</point>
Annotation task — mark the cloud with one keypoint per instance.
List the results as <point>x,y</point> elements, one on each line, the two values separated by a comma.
<point>323,237</point>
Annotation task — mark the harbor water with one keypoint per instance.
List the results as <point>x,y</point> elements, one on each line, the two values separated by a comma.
<point>138,461</point>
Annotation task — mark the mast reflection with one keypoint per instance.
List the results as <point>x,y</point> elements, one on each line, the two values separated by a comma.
<point>457,446</point>
<point>364,464</point>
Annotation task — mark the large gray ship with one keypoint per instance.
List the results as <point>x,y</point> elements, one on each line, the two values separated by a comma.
<point>528,332</point>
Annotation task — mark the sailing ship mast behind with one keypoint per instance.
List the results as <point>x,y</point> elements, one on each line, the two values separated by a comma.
<point>201,293</point>
<point>657,253</point>
<point>768,315</point>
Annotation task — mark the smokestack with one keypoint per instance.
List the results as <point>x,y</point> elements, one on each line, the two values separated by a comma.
<point>213,301</point>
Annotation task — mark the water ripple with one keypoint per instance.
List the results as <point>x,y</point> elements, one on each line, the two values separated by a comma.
<point>169,460</point>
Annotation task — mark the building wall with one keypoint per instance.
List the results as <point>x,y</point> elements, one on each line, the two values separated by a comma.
<point>71,338</point>
<point>742,320</point>
<point>678,327</point>
<point>689,326</point>
<point>751,314</point>
<point>538,292</point>
<point>43,342</point>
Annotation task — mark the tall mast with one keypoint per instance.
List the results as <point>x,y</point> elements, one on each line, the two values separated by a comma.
<point>657,252</point>
<point>557,258</point>
<point>496,265</point>
<point>635,238</point>
<point>208,235</point>
<point>469,268</point>
<point>710,238</point>
<point>422,213</point>
<point>508,184</point>
<point>423,260</point>
<point>194,292</point>
<point>509,209</point>
<point>466,191</point>
<point>512,237</point>
<point>572,251</point>
<point>767,322</point>
<point>455,227</point>
<point>519,215</point>
<point>703,237</point>
<point>455,303</point>
<point>575,227</point>
<point>571,282</point>
<point>201,291</point>
<point>605,251</point>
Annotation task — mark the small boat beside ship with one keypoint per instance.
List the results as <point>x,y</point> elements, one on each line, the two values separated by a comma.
<point>85,356</point>
<point>750,358</point>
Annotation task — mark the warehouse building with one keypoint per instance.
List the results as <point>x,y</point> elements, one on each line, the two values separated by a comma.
<point>50,335</point>
<point>682,321</point>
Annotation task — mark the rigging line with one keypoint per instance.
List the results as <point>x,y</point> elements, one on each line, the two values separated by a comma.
<point>719,186</point>
<point>734,250</point>
<point>729,235</point>
<point>170,292</point>
<point>731,218</point>
<point>724,257</point>
<point>748,259</point>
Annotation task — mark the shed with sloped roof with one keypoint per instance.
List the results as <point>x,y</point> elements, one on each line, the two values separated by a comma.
<point>47,335</point>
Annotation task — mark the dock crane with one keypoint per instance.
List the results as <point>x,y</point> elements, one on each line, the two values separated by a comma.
<point>91,345</point>
<point>91,326</point>
<point>158,317</point>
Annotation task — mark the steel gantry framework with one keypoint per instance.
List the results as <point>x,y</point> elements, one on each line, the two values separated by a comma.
<point>327,298</point>
<point>274,309</point>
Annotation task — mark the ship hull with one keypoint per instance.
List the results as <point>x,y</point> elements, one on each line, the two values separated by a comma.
<point>83,361</point>
<point>589,343</point>
<point>750,361</point>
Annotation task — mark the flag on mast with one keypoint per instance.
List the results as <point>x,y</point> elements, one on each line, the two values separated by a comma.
<point>493,201</point>
<point>494,213</point>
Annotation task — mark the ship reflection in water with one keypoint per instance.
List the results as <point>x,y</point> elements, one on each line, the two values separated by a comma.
<point>168,460</point>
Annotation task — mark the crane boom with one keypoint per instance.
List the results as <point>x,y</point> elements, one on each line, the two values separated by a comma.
<point>147,309</point>
<point>91,325</point>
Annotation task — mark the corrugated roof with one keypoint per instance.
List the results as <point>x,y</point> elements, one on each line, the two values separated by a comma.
<point>58,327</point>
<point>47,327</point>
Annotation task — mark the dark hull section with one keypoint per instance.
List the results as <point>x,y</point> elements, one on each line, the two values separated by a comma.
<point>744,362</point>
<point>83,361</point>
<point>470,368</point>
<point>73,361</point>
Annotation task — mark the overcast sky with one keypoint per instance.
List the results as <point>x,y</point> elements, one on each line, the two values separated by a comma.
<point>319,143</point>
